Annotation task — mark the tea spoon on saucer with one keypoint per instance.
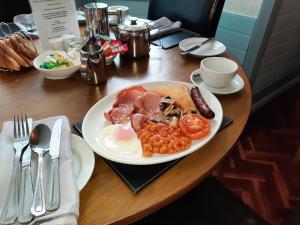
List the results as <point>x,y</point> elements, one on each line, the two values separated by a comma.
<point>197,78</point>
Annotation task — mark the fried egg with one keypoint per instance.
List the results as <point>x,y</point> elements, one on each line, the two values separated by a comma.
<point>119,139</point>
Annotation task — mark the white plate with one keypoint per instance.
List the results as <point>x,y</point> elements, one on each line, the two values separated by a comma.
<point>84,161</point>
<point>94,121</point>
<point>235,85</point>
<point>212,48</point>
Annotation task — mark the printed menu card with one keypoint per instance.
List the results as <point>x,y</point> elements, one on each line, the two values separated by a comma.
<point>54,18</point>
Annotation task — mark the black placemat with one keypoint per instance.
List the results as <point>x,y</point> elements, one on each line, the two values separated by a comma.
<point>172,40</point>
<point>137,177</point>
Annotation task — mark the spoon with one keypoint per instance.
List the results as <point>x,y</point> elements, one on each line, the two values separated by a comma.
<point>39,142</point>
<point>197,78</point>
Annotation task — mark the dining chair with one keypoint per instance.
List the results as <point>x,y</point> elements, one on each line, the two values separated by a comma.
<point>12,8</point>
<point>200,16</point>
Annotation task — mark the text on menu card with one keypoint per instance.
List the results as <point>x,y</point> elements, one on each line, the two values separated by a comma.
<point>54,18</point>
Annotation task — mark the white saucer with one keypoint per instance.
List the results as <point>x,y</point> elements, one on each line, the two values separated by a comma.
<point>84,161</point>
<point>236,84</point>
<point>212,48</point>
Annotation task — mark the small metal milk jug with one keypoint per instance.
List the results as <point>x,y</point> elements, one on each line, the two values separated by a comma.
<point>93,68</point>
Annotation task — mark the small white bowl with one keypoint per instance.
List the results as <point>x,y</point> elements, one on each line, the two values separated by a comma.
<point>60,73</point>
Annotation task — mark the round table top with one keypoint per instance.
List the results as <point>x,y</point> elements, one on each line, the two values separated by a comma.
<point>106,199</point>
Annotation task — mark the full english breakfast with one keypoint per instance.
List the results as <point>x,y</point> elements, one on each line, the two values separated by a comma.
<point>158,120</point>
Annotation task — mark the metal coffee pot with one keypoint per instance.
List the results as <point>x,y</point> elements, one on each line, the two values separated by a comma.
<point>93,68</point>
<point>96,15</point>
<point>136,35</point>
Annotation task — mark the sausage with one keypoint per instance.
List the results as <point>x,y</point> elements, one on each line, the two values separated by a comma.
<point>138,121</point>
<point>200,103</point>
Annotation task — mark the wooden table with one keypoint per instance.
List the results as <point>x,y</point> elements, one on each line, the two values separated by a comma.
<point>106,199</point>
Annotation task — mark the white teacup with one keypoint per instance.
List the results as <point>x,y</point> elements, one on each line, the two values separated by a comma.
<point>113,19</point>
<point>218,72</point>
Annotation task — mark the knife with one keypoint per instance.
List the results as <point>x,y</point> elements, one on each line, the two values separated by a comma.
<point>53,191</point>
<point>197,46</point>
<point>26,191</point>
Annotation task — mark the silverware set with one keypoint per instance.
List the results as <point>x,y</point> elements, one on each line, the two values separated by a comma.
<point>197,46</point>
<point>21,201</point>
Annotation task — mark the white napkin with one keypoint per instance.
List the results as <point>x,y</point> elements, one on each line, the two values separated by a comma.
<point>22,19</point>
<point>68,211</point>
<point>163,26</point>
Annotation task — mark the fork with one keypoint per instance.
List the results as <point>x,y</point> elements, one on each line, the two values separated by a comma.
<point>20,143</point>
<point>25,188</point>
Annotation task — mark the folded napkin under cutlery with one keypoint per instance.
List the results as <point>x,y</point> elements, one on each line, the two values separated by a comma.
<point>163,26</point>
<point>68,210</point>
<point>25,23</point>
